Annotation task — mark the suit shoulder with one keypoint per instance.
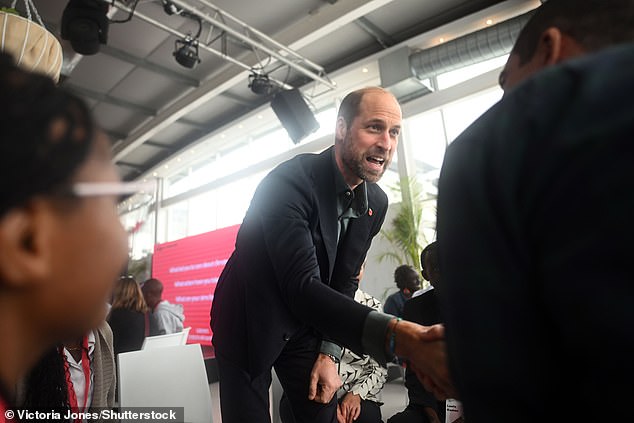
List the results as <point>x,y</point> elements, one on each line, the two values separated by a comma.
<point>376,192</point>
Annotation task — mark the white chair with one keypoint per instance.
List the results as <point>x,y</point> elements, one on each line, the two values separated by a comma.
<point>168,340</point>
<point>166,377</point>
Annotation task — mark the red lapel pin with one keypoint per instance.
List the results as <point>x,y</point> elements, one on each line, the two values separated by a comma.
<point>369,212</point>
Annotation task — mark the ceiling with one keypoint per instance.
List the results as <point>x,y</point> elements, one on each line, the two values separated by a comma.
<point>153,108</point>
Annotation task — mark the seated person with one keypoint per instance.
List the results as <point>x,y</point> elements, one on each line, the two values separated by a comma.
<point>130,318</point>
<point>78,375</point>
<point>362,378</point>
<point>423,309</point>
<point>408,282</point>
<point>169,316</point>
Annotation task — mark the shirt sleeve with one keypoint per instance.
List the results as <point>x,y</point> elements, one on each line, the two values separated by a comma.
<point>374,335</point>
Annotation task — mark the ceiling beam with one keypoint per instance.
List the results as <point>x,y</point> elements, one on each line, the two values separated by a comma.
<point>159,146</point>
<point>152,67</point>
<point>381,37</point>
<point>237,99</point>
<point>115,136</point>
<point>131,166</point>
<point>325,20</point>
<point>107,98</point>
<point>196,125</point>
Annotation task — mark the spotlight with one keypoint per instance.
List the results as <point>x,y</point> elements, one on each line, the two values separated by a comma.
<point>260,84</point>
<point>85,25</point>
<point>186,52</point>
<point>169,7</point>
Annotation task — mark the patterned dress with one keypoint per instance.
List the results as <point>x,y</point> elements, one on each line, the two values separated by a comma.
<point>362,375</point>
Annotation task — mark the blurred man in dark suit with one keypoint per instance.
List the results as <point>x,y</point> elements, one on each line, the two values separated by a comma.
<point>535,226</point>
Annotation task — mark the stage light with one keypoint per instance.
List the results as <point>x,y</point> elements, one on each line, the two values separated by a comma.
<point>85,25</point>
<point>169,7</point>
<point>260,84</point>
<point>186,52</point>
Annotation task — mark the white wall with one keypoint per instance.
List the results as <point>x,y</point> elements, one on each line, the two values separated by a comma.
<point>378,279</point>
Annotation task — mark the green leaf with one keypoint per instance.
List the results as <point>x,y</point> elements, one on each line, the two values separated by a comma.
<point>405,233</point>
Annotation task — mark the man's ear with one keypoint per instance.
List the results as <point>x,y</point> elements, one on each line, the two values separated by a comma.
<point>555,46</point>
<point>548,49</point>
<point>341,128</point>
<point>24,250</point>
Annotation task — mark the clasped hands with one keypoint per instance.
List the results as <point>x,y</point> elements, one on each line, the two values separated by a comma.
<point>425,350</point>
<point>422,346</point>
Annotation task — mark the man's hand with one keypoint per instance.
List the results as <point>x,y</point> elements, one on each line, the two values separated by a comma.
<point>324,380</point>
<point>349,408</point>
<point>424,347</point>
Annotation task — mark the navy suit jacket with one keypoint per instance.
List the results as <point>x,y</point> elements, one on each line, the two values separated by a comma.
<point>535,232</point>
<point>286,270</point>
<point>422,309</point>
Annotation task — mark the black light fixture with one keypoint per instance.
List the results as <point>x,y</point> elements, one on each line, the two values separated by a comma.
<point>186,52</point>
<point>85,25</point>
<point>185,49</point>
<point>260,83</point>
<point>169,7</point>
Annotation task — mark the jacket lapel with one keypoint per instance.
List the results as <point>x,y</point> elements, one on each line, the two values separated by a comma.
<point>324,181</point>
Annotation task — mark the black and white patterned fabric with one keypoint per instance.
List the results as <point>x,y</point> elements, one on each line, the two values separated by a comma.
<point>362,375</point>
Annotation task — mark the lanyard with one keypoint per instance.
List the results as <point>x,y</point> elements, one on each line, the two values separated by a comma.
<point>3,410</point>
<point>5,405</point>
<point>85,365</point>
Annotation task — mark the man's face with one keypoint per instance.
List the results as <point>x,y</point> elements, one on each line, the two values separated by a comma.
<point>413,281</point>
<point>152,298</point>
<point>431,272</point>
<point>367,146</point>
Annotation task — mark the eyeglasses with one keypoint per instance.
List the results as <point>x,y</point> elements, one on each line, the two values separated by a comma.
<point>134,211</point>
<point>92,189</point>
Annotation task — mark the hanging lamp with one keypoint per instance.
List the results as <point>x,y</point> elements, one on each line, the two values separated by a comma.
<point>32,46</point>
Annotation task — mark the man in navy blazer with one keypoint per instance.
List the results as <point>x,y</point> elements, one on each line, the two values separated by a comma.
<point>302,241</point>
<point>535,227</point>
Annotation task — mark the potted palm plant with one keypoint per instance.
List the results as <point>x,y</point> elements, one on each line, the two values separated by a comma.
<point>404,233</point>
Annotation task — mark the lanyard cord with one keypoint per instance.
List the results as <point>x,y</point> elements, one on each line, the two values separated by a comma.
<point>85,364</point>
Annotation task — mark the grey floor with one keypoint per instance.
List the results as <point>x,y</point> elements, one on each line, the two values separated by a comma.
<point>394,397</point>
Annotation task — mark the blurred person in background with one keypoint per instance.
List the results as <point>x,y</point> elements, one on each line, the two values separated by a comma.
<point>422,406</point>
<point>408,282</point>
<point>169,317</point>
<point>61,244</point>
<point>129,317</point>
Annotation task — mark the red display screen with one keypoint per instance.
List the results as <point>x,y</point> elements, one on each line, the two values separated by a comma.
<point>189,269</point>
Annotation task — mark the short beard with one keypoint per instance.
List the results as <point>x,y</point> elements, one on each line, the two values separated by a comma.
<point>355,164</point>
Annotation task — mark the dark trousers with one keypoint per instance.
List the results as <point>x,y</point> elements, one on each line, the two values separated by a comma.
<point>246,400</point>
<point>411,414</point>
<point>370,412</point>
